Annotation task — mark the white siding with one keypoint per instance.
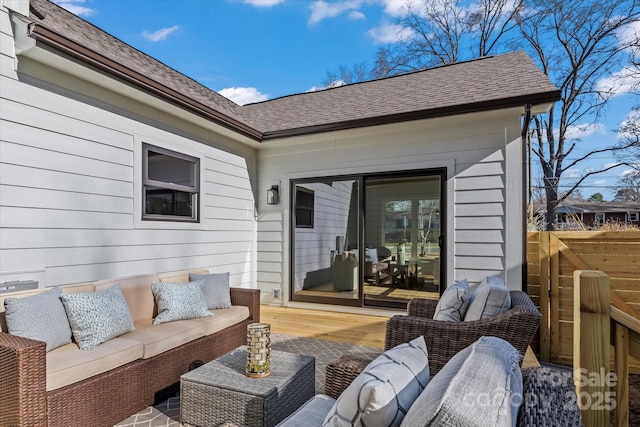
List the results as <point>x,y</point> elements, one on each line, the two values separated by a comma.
<point>474,150</point>
<point>69,174</point>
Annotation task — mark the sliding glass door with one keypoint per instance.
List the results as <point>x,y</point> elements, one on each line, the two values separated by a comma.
<point>367,239</point>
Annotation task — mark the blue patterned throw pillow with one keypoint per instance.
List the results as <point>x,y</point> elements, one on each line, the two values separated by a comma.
<point>383,393</point>
<point>96,317</point>
<point>179,301</point>
<point>39,317</point>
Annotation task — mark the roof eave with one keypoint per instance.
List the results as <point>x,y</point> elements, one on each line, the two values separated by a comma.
<point>50,38</point>
<point>518,101</point>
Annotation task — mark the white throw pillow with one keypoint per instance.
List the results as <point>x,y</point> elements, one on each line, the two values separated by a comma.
<point>453,303</point>
<point>383,393</point>
<point>490,299</point>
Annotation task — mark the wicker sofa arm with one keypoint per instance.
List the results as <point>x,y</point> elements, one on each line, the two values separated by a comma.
<point>341,372</point>
<point>22,381</point>
<point>249,298</point>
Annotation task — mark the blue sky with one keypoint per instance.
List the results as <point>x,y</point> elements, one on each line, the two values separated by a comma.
<point>253,50</point>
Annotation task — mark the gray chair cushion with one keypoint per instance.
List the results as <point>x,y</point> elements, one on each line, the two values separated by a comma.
<point>215,289</point>
<point>490,299</point>
<point>40,317</point>
<point>385,390</point>
<point>479,386</point>
<point>311,414</point>
<point>453,303</point>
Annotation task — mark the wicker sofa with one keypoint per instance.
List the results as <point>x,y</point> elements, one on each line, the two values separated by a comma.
<point>86,395</point>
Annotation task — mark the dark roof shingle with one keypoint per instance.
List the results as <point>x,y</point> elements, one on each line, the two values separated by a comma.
<point>500,81</point>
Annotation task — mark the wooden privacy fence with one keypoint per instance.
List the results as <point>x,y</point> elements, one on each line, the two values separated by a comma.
<point>552,258</point>
<point>600,330</point>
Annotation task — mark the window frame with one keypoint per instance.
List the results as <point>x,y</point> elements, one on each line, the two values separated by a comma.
<point>194,190</point>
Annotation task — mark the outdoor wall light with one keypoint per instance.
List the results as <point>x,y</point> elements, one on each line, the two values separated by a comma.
<point>273,195</point>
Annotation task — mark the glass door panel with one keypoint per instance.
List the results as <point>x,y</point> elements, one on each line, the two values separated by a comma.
<point>325,230</point>
<point>402,224</point>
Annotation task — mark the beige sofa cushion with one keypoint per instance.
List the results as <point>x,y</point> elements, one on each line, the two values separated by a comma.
<point>85,287</point>
<point>68,364</point>
<point>137,292</point>
<point>165,336</point>
<point>180,276</point>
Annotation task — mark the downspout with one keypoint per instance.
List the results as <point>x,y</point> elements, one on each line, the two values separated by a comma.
<point>525,194</point>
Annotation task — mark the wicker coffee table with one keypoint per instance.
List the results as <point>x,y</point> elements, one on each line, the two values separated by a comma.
<point>219,392</point>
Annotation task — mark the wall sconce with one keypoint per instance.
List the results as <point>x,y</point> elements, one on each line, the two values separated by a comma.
<point>273,196</point>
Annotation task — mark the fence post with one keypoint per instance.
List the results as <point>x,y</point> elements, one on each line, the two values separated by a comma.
<point>591,341</point>
<point>543,262</point>
<point>621,366</point>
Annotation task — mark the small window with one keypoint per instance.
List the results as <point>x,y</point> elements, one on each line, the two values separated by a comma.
<point>634,217</point>
<point>170,185</point>
<point>305,205</point>
<point>599,218</point>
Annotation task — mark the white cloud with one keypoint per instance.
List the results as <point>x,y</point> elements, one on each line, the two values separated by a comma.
<point>356,15</point>
<point>335,83</point>
<point>321,9</point>
<point>390,33</point>
<point>396,8</point>
<point>74,6</point>
<point>573,173</point>
<point>583,130</point>
<point>630,34</point>
<point>161,34</point>
<point>263,3</point>
<point>621,82</point>
<point>630,126</point>
<point>243,95</point>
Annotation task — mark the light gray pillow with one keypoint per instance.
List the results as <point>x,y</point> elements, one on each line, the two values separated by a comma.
<point>480,386</point>
<point>96,317</point>
<point>179,301</point>
<point>453,303</point>
<point>40,317</point>
<point>215,289</point>
<point>383,393</point>
<point>490,299</point>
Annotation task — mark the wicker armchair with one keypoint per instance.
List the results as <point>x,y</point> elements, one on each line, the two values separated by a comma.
<point>518,326</point>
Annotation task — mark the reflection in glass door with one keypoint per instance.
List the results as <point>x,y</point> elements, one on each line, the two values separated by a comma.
<point>402,223</point>
<point>325,266</point>
<point>367,239</point>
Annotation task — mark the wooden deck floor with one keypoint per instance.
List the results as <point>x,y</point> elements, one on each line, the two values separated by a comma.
<point>339,327</point>
<point>328,325</point>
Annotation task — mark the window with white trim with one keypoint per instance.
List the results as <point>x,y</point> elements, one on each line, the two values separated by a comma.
<point>170,185</point>
<point>633,216</point>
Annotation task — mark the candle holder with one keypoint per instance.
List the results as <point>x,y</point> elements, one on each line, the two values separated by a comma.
<point>258,350</point>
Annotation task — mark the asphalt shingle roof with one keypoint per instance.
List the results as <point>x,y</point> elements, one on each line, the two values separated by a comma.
<point>500,81</point>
